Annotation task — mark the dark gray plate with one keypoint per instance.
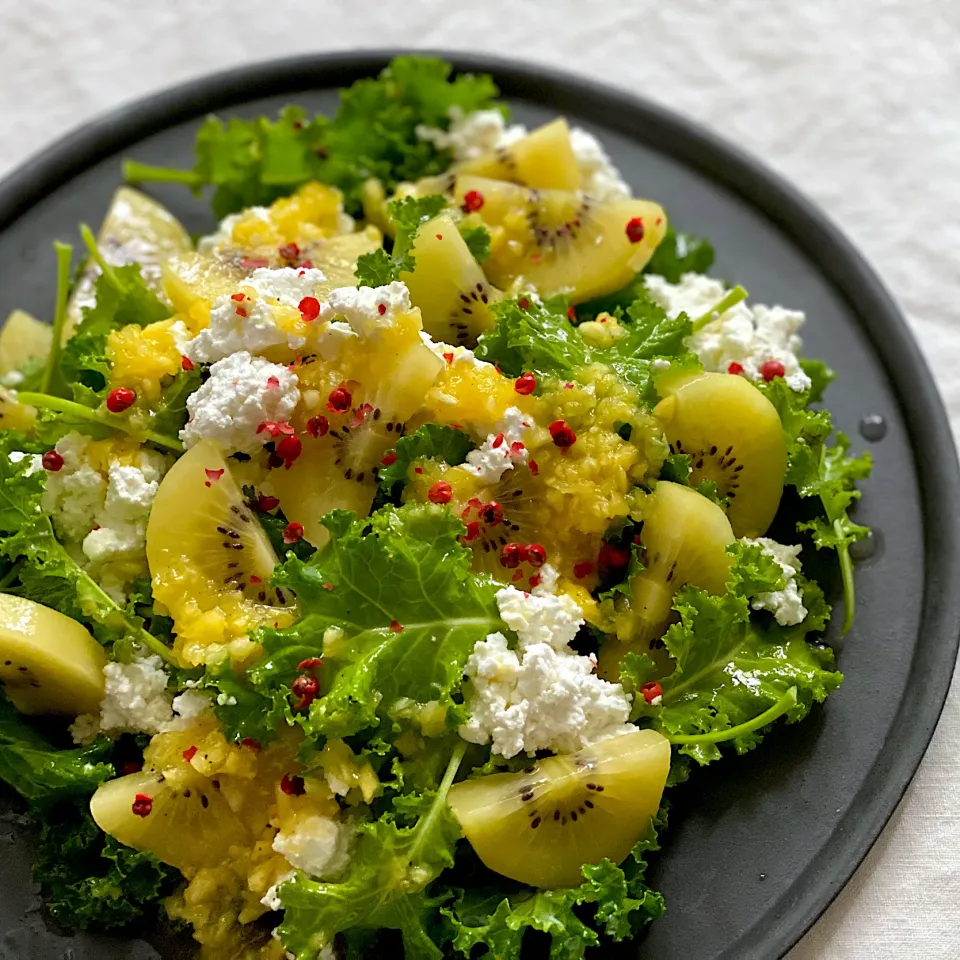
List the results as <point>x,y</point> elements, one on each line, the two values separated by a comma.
<point>757,846</point>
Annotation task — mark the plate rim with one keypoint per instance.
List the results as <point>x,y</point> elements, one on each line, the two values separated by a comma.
<point>811,230</point>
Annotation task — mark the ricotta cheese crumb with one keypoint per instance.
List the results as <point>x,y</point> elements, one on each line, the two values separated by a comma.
<point>367,310</point>
<point>135,700</point>
<point>787,604</point>
<point>742,335</point>
<point>241,392</point>
<point>601,178</point>
<point>472,135</point>
<point>318,846</point>
<point>287,285</point>
<point>250,325</point>
<point>542,696</point>
<point>503,448</point>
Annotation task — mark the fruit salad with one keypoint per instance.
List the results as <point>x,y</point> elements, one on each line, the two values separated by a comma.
<point>376,567</point>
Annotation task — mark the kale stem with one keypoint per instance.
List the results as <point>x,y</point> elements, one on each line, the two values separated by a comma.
<point>134,172</point>
<point>732,298</point>
<point>90,241</point>
<point>143,635</point>
<point>11,574</point>
<point>64,253</point>
<point>425,825</point>
<point>768,716</point>
<point>846,574</point>
<point>78,410</point>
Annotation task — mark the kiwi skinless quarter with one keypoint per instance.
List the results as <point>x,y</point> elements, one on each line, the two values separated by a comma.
<point>685,538</point>
<point>199,523</point>
<point>448,285</point>
<point>136,229</point>
<point>542,825</point>
<point>189,824</point>
<point>543,159</point>
<point>339,470</point>
<point>733,436</point>
<point>49,663</point>
<point>563,241</point>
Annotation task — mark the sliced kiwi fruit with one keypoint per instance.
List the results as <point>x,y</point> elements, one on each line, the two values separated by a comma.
<point>448,285</point>
<point>541,826</point>
<point>15,415</point>
<point>685,538</point>
<point>563,241</point>
<point>136,229</point>
<point>543,159</point>
<point>22,339</point>
<point>48,662</point>
<point>200,525</point>
<point>339,469</point>
<point>176,814</point>
<point>733,436</point>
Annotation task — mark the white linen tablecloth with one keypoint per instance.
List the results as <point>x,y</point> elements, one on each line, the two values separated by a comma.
<point>857,102</point>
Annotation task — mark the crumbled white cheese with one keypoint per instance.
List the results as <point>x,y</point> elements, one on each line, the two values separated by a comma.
<point>483,131</point>
<point>249,325</point>
<point>223,235</point>
<point>121,523</point>
<point>472,135</point>
<point>601,178</point>
<point>444,351</point>
<point>288,285</point>
<point>743,335</point>
<point>787,604</point>
<point>135,700</point>
<point>318,846</point>
<point>187,707</point>
<point>503,448</point>
<point>542,696</point>
<point>72,495</point>
<point>12,379</point>
<point>368,310</point>
<point>241,392</point>
<point>271,899</point>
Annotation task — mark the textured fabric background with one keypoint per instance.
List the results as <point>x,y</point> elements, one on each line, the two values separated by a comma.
<point>857,102</point>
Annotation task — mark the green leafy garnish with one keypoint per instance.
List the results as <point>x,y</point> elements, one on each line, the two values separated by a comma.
<point>379,268</point>
<point>477,239</point>
<point>817,469</point>
<point>372,135</point>
<point>90,881</point>
<point>53,576</point>
<point>732,669</point>
<point>538,337</point>
<point>41,774</point>
<point>432,441</point>
<point>385,883</point>
<point>64,253</point>
<point>399,587</point>
<point>613,901</point>
<point>680,253</point>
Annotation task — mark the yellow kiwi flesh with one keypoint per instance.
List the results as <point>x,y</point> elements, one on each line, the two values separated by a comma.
<point>48,662</point>
<point>189,824</point>
<point>136,229</point>
<point>543,159</point>
<point>564,241</point>
<point>22,339</point>
<point>685,538</point>
<point>448,285</point>
<point>541,826</point>
<point>200,528</point>
<point>338,470</point>
<point>734,437</point>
